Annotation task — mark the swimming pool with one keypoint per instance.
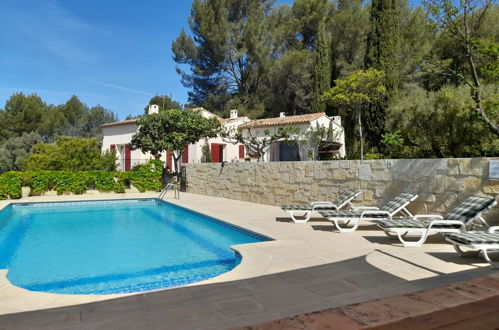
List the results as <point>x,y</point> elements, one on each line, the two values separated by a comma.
<point>104,247</point>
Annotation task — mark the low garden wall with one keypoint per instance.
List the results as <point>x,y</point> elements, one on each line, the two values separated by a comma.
<point>440,183</point>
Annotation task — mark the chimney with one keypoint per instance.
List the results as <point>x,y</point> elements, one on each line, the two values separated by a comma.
<point>153,108</point>
<point>282,114</point>
<point>233,114</point>
<point>336,119</point>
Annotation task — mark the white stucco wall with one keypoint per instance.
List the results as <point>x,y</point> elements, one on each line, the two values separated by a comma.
<point>120,136</point>
<point>324,121</point>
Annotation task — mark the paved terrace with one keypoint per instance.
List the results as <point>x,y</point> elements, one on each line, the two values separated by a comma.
<point>306,268</point>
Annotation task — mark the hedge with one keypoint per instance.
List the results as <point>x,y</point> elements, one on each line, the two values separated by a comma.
<point>144,178</point>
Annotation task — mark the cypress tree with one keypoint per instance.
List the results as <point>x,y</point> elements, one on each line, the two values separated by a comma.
<point>381,54</point>
<point>323,69</point>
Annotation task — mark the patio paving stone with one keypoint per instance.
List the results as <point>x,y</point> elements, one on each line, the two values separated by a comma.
<point>303,270</point>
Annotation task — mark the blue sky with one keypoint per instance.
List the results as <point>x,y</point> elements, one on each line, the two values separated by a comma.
<point>116,53</point>
<point>113,53</point>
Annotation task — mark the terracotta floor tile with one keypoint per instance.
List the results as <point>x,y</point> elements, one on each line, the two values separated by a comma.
<point>487,282</point>
<point>315,321</point>
<point>441,296</point>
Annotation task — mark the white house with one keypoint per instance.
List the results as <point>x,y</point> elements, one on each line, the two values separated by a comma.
<point>281,151</point>
<point>117,136</point>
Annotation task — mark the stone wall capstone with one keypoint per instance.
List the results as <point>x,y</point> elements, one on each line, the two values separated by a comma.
<point>440,183</point>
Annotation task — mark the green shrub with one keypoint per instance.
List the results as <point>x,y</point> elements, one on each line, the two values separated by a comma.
<point>11,185</point>
<point>75,182</point>
<point>145,178</point>
<point>41,182</point>
<point>104,181</point>
<point>370,156</point>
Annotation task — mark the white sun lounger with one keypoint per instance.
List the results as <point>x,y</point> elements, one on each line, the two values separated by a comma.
<point>355,216</point>
<point>306,210</point>
<point>458,220</point>
<point>480,241</point>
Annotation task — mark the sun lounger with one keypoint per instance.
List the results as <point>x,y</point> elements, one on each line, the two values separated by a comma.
<point>306,210</point>
<point>355,216</point>
<point>458,220</point>
<point>480,241</point>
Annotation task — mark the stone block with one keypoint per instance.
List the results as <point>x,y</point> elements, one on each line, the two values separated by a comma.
<point>402,177</point>
<point>416,169</point>
<point>334,164</point>
<point>491,188</point>
<point>353,164</point>
<point>380,175</point>
<point>365,172</point>
<point>441,165</point>
<point>429,198</point>
<point>378,164</point>
<point>352,174</point>
<point>473,166</point>
<point>367,195</point>
<point>339,174</point>
<point>445,202</point>
<point>344,164</point>
<point>453,184</point>
<point>379,191</point>
<point>472,183</point>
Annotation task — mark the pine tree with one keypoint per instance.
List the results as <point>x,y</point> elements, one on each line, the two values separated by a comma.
<point>322,70</point>
<point>381,54</point>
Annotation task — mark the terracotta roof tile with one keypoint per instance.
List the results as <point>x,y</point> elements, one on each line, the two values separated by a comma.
<point>224,121</point>
<point>122,123</point>
<point>279,121</point>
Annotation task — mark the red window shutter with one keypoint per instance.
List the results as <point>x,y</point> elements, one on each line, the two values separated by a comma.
<point>169,160</point>
<point>185,154</point>
<point>241,151</point>
<point>128,158</point>
<point>112,147</point>
<point>215,153</point>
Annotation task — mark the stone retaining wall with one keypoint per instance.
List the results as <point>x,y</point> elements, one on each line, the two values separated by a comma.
<point>440,183</point>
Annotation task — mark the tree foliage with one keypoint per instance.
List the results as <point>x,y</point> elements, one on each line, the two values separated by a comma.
<point>462,22</point>
<point>164,102</point>
<point>14,150</point>
<point>231,42</point>
<point>442,123</point>
<point>172,130</point>
<point>382,49</point>
<point>69,154</point>
<point>356,93</point>
<point>28,113</point>
<point>322,70</point>
<point>28,120</point>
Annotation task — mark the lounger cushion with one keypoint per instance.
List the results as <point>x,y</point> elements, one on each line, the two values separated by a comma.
<point>477,237</point>
<point>411,223</point>
<point>398,201</point>
<point>306,207</point>
<point>390,207</point>
<point>352,214</point>
<point>470,209</point>
<point>347,195</point>
<point>343,198</point>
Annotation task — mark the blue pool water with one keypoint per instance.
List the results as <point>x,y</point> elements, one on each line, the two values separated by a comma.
<point>104,247</point>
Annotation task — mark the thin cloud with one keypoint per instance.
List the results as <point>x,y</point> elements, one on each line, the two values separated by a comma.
<point>122,88</point>
<point>60,32</point>
<point>66,19</point>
